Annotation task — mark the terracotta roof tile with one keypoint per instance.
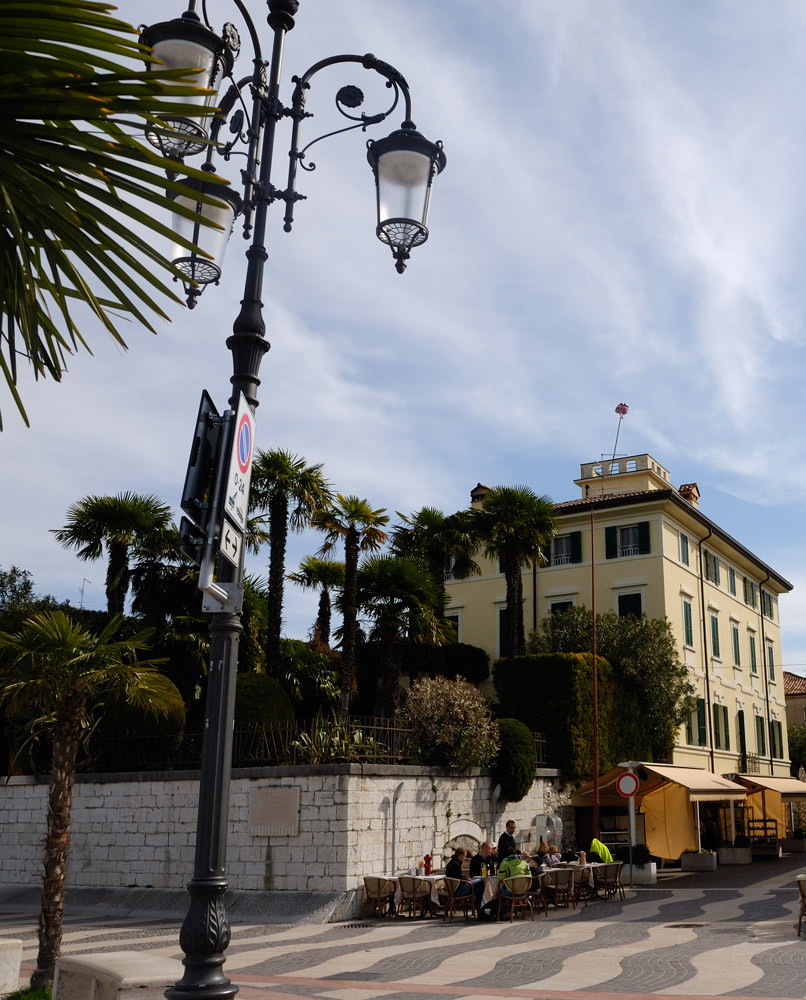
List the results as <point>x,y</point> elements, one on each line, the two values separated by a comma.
<point>794,684</point>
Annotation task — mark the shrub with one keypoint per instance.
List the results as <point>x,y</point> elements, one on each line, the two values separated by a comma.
<point>261,700</point>
<point>451,723</point>
<point>515,765</point>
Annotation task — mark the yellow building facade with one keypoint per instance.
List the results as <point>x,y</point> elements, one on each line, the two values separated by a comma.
<point>654,552</point>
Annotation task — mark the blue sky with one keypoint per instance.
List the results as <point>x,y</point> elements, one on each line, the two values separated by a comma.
<point>621,219</point>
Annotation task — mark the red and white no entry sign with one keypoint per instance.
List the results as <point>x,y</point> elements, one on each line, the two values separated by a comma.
<point>627,784</point>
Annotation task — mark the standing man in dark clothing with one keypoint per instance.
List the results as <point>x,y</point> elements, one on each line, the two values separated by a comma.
<point>506,842</point>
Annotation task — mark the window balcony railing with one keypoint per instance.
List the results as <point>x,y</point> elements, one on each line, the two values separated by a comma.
<point>561,559</point>
<point>628,550</point>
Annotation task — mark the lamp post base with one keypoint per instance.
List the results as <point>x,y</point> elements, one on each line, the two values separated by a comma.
<point>204,938</point>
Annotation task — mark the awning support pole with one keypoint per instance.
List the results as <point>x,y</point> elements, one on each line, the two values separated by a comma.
<point>697,821</point>
<point>732,822</point>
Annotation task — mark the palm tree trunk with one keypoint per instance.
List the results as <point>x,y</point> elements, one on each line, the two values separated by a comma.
<point>66,736</point>
<point>511,570</point>
<point>390,673</point>
<point>117,578</point>
<point>322,627</point>
<point>350,597</point>
<point>278,537</point>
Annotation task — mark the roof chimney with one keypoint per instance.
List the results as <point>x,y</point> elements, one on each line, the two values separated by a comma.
<point>689,492</point>
<point>478,493</point>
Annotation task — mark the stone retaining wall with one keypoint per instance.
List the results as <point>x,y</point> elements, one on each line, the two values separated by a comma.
<point>293,828</point>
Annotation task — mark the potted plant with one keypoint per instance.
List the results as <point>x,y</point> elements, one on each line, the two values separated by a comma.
<point>737,853</point>
<point>644,870</point>
<point>698,861</point>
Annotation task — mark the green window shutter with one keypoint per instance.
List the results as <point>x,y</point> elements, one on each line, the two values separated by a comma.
<point>702,732</point>
<point>643,537</point>
<point>772,739</point>
<point>690,728</point>
<point>735,633</point>
<point>741,734</point>
<point>717,728</point>
<point>715,636</point>
<point>746,592</point>
<point>725,729</point>
<point>576,546</point>
<point>770,663</point>
<point>611,542</point>
<point>688,629</point>
<point>709,573</point>
<point>716,570</point>
<point>779,728</point>
<point>761,742</point>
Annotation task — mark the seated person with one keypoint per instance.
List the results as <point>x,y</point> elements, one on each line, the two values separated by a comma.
<point>453,869</point>
<point>598,852</point>
<point>542,851</point>
<point>553,857</point>
<point>535,870</point>
<point>513,865</point>
<point>484,857</point>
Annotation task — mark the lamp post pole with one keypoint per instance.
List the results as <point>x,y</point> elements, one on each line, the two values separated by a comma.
<point>404,164</point>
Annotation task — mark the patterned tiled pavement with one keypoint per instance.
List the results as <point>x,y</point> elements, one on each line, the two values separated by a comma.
<point>676,940</point>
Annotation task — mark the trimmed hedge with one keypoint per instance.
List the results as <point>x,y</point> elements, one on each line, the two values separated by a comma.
<point>516,763</point>
<point>552,693</point>
<point>261,700</point>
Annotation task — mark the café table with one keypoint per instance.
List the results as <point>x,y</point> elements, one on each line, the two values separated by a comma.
<point>434,880</point>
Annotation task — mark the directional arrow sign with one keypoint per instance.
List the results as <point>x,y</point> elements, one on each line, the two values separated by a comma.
<point>231,543</point>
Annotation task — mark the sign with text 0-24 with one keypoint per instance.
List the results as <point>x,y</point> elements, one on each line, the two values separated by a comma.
<point>236,487</point>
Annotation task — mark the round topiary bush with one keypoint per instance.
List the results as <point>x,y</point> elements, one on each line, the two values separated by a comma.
<point>515,766</point>
<point>261,700</point>
<point>451,723</point>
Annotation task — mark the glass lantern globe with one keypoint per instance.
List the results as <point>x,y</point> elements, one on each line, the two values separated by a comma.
<point>203,268</point>
<point>405,164</point>
<point>185,43</point>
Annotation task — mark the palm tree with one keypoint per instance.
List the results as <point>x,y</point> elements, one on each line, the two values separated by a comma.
<point>126,524</point>
<point>353,520</point>
<point>445,544</point>
<point>323,575</point>
<point>73,178</point>
<point>290,492</point>
<point>514,525</point>
<point>56,673</point>
<point>402,600</point>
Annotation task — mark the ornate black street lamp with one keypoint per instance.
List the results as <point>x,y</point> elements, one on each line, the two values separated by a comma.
<point>405,164</point>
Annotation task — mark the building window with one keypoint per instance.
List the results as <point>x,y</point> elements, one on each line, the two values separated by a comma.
<point>767,605</point>
<point>753,660</point>
<point>630,541</point>
<point>711,567</point>
<point>683,549</point>
<point>770,661</point>
<point>453,633</point>
<point>776,738</point>
<point>566,549</point>
<point>614,468</point>
<point>447,568</point>
<point>750,592</point>
<point>734,632</point>
<point>740,733</point>
<point>632,465</point>
<point>732,581</point>
<point>715,637</point>
<point>702,732</point>
<point>629,604</point>
<point>696,720</point>
<point>761,742</point>
<point>721,734</point>
<point>558,606</point>
<point>688,627</point>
